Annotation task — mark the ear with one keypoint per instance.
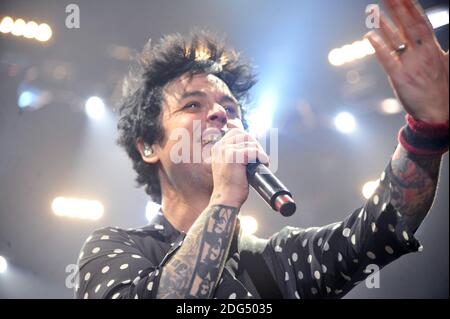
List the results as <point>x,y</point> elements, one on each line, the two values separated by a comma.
<point>148,153</point>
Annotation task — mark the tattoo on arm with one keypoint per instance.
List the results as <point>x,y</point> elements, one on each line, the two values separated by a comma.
<point>194,270</point>
<point>414,184</point>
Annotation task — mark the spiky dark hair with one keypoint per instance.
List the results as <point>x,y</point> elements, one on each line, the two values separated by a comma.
<point>158,65</point>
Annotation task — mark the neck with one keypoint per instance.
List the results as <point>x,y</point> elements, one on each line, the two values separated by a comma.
<point>182,210</point>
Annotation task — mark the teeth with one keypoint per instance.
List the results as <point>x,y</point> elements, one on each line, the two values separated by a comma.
<point>211,139</point>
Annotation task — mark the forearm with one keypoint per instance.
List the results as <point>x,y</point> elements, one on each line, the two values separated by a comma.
<point>414,184</point>
<point>197,266</point>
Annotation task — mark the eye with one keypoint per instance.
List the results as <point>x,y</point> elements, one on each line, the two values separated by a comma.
<point>192,106</point>
<point>231,110</point>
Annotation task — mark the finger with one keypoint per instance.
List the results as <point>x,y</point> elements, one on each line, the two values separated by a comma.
<point>390,62</point>
<point>250,155</point>
<point>403,20</point>
<point>389,33</point>
<point>255,145</point>
<point>425,28</point>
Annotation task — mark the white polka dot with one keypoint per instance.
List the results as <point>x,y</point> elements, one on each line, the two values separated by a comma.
<point>104,237</point>
<point>95,250</point>
<point>289,262</point>
<point>376,199</point>
<point>136,296</point>
<point>348,278</point>
<point>294,257</point>
<point>112,255</point>
<point>324,268</point>
<point>126,282</point>
<point>371,255</point>
<point>346,232</point>
<point>326,246</point>
<point>309,259</point>
<point>278,249</point>
<point>365,216</point>
<point>116,295</point>
<point>88,239</point>
<point>150,286</point>
<point>389,250</point>
<point>319,242</point>
<point>328,289</point>
<point>114,230</point>
<point>297,295</point>
<point>353,239</point>
<point>286,276</point>
<point>339,257</point>
<point>405,235</point>
<point>118,251</point>
<point>81,255</point>
<point>300,275</point>
<point>86,296</point>
<point>139,272</point>
<point>124,266</point>
<point>317,275</point>
<point>105,269</point>
<point>136,256</point>
<point>361,213</point>
<point>374,227</point>
<point>391,228</point>
<point>355,261</point>
<point>249,294</point>
<point>87,276</point>
<point>97,288</point>
<point>304,242</point>
<point>383,208</point>
<point>156,272</point>
<point>314,291</point>
<point>126,243</point>
<point>420,249</point>
<point>383,176</point>
<point>232,296</point>
<point>338,291</point>
<point>109,284</point>
<point>158,226</point>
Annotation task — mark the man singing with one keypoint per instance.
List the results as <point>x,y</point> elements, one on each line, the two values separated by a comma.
<point>194,247</point>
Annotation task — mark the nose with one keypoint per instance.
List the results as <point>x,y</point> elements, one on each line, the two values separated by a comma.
<point>217,116</point>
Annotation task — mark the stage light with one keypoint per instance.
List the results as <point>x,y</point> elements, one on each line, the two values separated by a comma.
<point>345,122</point>
<point>77,208</point>
<point>438,17</point>
<point>26,99</point>
<point>369,188</point>
<point>95,108</point>
<point>44,32</point>
<point>260,118</point>
<point>360,49</point>
<point>151,210</point>
<point>6,25</point>
<point>391,106</point>
<point>18,27</point>
<point>3,265</point>
<point>31,29</point>
<point>248,224</point>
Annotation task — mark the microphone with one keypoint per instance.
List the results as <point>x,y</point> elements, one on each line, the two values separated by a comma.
<point>270,188</point>
<point>266,184</point>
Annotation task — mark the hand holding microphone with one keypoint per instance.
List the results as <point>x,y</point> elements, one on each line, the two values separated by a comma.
<point>237,160</point>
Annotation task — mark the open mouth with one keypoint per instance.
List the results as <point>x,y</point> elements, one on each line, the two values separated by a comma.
<point>211,136</point>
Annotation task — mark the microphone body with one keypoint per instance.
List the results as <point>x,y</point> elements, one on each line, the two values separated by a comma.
<point>270,188</point>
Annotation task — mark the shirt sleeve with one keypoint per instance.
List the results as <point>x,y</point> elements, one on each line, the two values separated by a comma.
<point>327,262</point>
<point>112,266</point>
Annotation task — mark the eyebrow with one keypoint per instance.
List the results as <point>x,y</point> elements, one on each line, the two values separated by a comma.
<point>224,98</point>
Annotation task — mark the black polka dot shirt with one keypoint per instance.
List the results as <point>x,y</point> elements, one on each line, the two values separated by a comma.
<point>317,262</point>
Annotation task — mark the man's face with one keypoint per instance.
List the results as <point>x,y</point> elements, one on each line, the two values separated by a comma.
<point>195,105</point>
